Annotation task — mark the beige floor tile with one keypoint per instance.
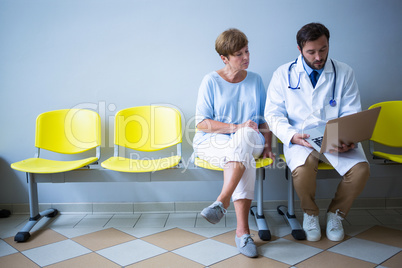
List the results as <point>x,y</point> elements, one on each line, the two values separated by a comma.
<point>103,239</point>
<point>167,260</point>
<point>324,242</point>
<point>91,260</point>
<point>333,260</point>
<point>17,260</point>
<point>243,261</point>
<point>394,262</point>
<point>384,235</point>
<point>173,239</point>
<point>37,239</point>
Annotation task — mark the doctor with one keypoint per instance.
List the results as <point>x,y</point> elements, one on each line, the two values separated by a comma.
<point>311,90</point>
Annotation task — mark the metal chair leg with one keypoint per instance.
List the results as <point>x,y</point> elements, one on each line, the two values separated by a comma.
<point>23,235</point>
<point>258,211</point>
<point>289,214</point>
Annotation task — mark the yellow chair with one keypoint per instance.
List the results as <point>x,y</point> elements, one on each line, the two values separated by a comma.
<point>146,129</point>
<point>68,131</point>
<point>257,211</point>
<point>387,131</point>
<point>288,211</point>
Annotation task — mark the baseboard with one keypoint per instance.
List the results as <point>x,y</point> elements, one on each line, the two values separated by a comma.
<point>182,207</point>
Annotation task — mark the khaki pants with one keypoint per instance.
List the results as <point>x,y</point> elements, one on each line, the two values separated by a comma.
<point>352,184</point>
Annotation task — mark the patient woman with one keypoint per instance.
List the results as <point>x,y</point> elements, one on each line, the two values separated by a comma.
<point>232,132</point>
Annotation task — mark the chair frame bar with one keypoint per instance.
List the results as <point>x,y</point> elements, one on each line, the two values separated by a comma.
<point>258,211</point>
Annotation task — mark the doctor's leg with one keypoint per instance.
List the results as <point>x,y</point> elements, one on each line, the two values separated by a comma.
<point>349,188</point>
<point>304,181</point>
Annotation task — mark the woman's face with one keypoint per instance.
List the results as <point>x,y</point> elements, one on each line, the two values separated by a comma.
<point>239,60</point>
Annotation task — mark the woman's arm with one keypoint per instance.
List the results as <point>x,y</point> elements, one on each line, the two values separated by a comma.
<point>267,152</point>
<point>213,126</point>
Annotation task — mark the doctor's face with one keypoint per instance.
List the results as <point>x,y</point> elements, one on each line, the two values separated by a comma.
<point>315,52</point>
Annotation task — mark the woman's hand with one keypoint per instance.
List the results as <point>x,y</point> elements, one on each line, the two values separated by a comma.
<point>267,153</point>
<point>249,123</point>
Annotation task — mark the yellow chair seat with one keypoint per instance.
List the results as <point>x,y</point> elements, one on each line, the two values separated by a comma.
<point>393,157</point>
<point>261,162</point>
<point>321,165</point>
<point>123,164</point>
<point>40,165</point>
<point>388,130</point>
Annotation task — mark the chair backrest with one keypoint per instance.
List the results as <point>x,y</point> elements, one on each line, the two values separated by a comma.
<point>68,131</point>
<point>148,128</point>
<point>388,130</point>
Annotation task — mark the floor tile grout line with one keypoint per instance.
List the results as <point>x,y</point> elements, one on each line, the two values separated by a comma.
<point>167,218</point>
<point>139,218</point>
<point>79,221</point>
<point>108,221</point>
<point>391,257</point>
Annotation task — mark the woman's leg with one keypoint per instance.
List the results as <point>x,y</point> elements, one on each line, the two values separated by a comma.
<point>236,156</point>
<point>232,173</point>
<point>243,193</point>
<point>242,208</point>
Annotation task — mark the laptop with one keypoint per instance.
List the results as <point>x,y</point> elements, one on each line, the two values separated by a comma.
<point>348,129</point>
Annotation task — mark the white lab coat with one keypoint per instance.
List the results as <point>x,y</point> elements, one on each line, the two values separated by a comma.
<point>289,111</point>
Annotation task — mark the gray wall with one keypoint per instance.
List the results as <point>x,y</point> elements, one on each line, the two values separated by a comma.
<point>109,55</point>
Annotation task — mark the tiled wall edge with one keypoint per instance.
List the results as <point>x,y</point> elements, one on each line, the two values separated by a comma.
<point>182,207</point>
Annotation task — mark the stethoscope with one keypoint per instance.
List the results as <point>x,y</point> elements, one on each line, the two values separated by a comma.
<point>332,102</point>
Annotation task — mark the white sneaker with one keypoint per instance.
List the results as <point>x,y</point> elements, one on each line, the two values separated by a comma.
<point>311,225</point>
<point>334,226</point>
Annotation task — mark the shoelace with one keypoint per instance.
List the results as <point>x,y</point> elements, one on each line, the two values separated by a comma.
<point>223,210</point>
<point>246,240</point>
<point>311,222</point>
<point>335,222</point>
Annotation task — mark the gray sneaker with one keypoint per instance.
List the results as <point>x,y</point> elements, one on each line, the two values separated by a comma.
<point>246,246</point>
<point>214,213</point>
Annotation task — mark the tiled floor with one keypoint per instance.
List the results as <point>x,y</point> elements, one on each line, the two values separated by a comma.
<point>374,239</point>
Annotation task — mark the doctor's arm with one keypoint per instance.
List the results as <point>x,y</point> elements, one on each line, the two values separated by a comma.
<point>350,104</point>
<point>276,112</point>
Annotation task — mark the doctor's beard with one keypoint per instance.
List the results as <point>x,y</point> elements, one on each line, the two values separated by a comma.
<point>313,64</point>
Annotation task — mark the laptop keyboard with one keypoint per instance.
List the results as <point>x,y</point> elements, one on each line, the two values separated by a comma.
<point>318,140</point>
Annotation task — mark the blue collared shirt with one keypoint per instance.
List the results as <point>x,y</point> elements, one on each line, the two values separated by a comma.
<point>309,69</point>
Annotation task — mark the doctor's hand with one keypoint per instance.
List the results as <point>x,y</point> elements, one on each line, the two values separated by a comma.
<point>344,148</point>
<point>300,139</point>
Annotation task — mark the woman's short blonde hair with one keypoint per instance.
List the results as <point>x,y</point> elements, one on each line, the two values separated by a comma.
<point>230,41</point>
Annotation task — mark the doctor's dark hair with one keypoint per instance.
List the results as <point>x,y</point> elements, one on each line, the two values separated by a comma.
<point>311,32</point>
<point>230,41</point>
